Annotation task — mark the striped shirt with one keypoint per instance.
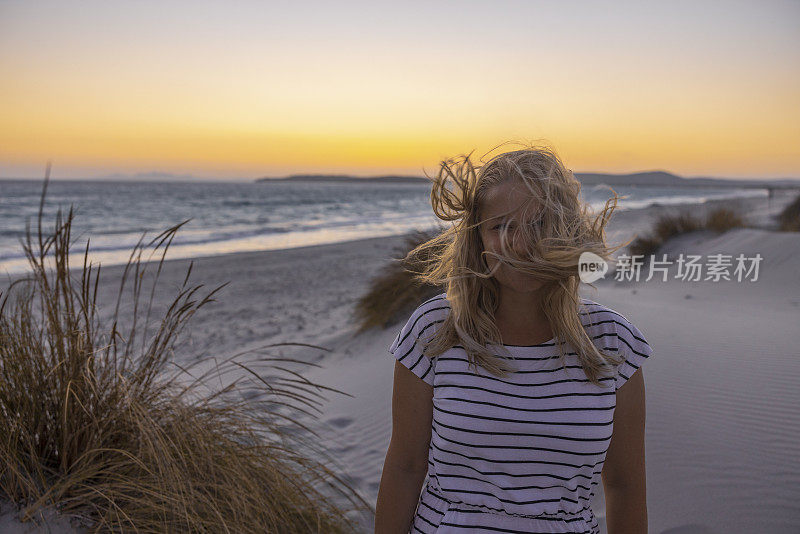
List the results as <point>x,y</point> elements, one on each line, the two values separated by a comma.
<point>519,454</point>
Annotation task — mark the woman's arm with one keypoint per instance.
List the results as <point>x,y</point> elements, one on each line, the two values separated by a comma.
<point>623,475</point>
<point>406,461</point>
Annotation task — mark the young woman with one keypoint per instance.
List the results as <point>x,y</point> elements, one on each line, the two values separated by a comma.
<point>508,401</point>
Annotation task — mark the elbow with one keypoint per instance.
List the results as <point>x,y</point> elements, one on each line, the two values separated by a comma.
<point>624,485</point>
<point>626,481</point>
<point>412,464</point>
<point>407,466</point>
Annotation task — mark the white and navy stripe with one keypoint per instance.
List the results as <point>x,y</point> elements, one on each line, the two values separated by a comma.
<point>522,453</point>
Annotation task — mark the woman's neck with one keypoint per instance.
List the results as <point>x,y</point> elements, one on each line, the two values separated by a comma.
<point>520,318</point>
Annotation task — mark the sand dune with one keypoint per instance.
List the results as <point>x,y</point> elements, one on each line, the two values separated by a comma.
<point>722,425</point>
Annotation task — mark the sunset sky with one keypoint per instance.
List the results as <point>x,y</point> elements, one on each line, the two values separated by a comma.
<point>249,89</point>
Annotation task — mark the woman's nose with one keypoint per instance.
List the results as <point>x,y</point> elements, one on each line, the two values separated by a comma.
<point>518,242</point>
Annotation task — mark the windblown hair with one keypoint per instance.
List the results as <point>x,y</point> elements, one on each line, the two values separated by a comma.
<point>557,227</point>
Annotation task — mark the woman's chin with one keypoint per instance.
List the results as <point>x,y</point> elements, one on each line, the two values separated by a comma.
<point>523,284</point>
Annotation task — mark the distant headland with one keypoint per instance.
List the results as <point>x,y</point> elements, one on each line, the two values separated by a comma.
<point>651,178</point>
<point>345,178</point>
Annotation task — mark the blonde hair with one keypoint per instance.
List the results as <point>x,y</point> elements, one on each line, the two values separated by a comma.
<point>555,233</point>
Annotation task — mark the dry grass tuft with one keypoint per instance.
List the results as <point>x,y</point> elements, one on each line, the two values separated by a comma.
<point>100,431</point>
<point>723,219</point>
<point>673,224</point>
<point>394,292</point>
<point>789,219</point>
<point>644,246</point>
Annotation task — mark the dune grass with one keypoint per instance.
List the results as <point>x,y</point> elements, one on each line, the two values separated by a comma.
<point>723,219</point>
<point>101,424</point>
<point>673,224</point>
<point>393,292</point>
<point>789,218</point>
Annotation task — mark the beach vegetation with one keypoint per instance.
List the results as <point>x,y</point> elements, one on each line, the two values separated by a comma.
<point>670,225</point>
<point>103,425</point>
<point>789,218</point>
<point>395,291</point>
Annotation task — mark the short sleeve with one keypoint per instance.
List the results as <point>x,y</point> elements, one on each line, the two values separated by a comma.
<point>408,344</point>
<point>633,346</point>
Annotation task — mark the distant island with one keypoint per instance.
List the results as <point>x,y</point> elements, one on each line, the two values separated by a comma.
<point>652,178</point>
<point>345,178</point>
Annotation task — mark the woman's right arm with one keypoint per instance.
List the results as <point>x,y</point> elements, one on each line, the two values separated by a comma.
<point>406,462</point>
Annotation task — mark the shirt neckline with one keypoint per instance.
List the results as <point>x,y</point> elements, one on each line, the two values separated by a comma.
<point>550,341</point>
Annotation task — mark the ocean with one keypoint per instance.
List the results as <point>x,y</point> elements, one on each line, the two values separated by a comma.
<point>237,216</point>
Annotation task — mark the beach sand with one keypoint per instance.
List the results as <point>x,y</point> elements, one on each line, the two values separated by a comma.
<point>723,429</point>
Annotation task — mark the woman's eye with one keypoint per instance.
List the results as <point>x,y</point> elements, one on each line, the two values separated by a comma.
<point>511,225</point>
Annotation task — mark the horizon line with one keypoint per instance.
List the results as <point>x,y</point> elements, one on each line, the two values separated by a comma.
<point>191,177</point>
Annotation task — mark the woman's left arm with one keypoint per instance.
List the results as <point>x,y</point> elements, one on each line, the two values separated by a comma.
<point>623,474</point>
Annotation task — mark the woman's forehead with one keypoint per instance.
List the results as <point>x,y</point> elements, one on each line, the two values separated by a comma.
<point>507,199</point>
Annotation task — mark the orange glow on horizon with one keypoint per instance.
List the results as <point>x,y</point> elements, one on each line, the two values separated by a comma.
<point>100,100</point>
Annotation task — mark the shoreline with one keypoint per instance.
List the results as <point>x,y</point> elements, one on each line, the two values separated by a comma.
<point>634,215</point>
<point>746,204</point>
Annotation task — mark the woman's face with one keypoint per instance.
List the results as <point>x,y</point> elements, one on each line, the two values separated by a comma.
<point>501,211</point>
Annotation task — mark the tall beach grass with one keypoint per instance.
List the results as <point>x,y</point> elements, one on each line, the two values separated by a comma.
<point>789,218</point>
<point>393,292</point>
<point>669,225</point>
<point>100,423</point>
